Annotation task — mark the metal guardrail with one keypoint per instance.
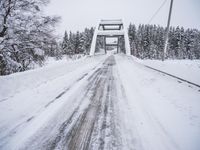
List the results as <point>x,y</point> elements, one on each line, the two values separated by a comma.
<point>174,76</point>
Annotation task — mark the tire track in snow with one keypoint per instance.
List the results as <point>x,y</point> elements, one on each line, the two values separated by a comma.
<point>66,90</point>
<point>15,129</point>
<point>79,130</point>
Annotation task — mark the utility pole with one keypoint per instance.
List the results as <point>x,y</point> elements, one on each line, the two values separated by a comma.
<point>167,32</point>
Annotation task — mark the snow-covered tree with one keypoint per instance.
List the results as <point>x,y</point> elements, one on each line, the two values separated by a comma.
<point>87,37</point>
<point>26,34</point>
<point>65,43</point>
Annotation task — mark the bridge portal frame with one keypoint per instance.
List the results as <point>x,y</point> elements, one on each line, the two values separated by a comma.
<point>111,28</point>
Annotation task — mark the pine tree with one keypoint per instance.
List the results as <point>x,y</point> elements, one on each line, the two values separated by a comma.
<point>132,38</point>
<point>87,36</point>
<point>65,43</point>
<point>71,47</point>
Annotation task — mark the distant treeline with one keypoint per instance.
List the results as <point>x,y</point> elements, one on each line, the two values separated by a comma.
<point>77,43</point>
<point>146,42</point>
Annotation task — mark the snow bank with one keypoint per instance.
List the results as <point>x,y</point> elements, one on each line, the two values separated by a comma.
<point>186,69</point>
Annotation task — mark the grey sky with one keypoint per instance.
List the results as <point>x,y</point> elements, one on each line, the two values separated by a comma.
<point>78,14</point>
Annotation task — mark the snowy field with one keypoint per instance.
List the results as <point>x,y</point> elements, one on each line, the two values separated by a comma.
<point>101,102</point>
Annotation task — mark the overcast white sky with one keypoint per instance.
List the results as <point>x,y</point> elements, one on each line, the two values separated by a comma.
<point>78,14</point>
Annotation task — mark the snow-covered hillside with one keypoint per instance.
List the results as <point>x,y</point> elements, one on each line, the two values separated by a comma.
<point>101,102</point>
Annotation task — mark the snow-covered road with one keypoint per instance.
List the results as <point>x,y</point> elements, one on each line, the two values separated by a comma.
<point>103,102</point>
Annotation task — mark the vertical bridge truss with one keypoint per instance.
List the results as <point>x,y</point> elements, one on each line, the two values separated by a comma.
<point>110,29</point>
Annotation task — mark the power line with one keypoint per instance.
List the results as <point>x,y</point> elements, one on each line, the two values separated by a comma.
<point>157,11</point>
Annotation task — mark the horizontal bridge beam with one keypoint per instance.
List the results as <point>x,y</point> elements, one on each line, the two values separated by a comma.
<point>111,44</point>
<point>111,21</point>
<point>109,24</point>
<point>110,36</point>
<point>110,33</point>
<point>112,29</point>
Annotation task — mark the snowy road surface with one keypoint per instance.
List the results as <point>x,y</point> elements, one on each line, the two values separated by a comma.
<point>102,102</point>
